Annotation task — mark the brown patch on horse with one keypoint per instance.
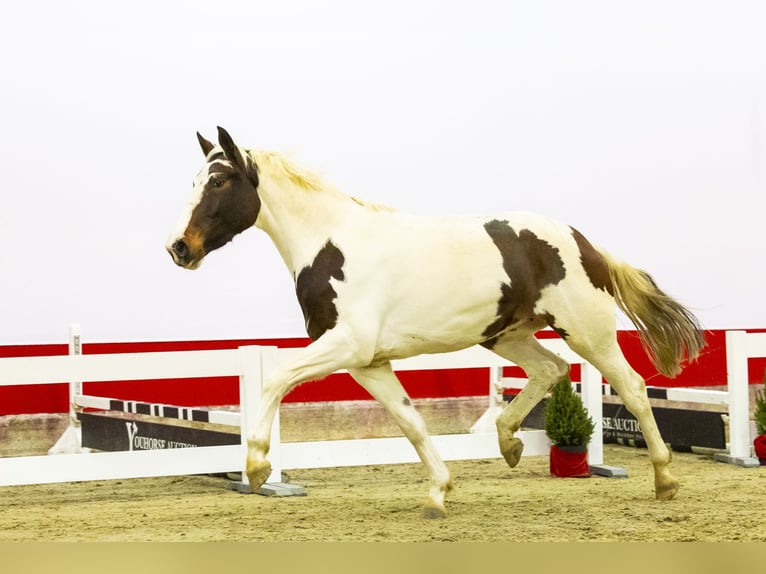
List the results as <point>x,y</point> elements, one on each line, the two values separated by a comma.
<point>594,264</point>
<point>531,265</point>
<point>551,320</point>
<point>315,292</point>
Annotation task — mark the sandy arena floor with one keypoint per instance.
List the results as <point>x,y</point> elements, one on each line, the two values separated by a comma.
<point>717,502</point>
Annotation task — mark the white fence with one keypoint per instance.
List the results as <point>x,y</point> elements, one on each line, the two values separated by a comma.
<point>251,364</point>
<point>740,346</point>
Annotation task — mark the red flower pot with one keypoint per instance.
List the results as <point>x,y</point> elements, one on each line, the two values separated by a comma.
<point>569,461</point>
<point>760,448</point>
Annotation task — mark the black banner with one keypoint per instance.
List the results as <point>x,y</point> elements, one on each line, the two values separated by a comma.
<point>108,433</point>
<point>681,428</point>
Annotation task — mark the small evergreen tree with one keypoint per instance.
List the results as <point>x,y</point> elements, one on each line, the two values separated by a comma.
<point>760,408</point>
<point>566,421</point>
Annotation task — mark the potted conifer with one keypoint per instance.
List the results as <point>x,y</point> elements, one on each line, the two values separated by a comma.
<point>569,427</point>
<point>760,423</point>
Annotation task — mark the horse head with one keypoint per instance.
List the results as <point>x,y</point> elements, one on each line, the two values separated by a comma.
<point>225,202</point>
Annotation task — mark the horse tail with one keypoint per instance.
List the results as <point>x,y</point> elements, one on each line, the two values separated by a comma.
<point>669,333</point>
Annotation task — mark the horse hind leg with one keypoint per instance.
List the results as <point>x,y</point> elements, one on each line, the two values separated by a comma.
<point>631,388</point>
<point>381,382</point>
<point>543,369</point>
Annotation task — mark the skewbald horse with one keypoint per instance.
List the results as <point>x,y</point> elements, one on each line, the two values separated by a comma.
<point>375,284</point>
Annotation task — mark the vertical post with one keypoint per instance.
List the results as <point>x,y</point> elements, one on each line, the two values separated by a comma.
<point>592,394</point>
<point>256,361</point>
<point>739,399</point>
<point>268,361</point>
<point>70,442</point>
<point>590,379</point>
<point>486,422</point>
<point>496,401</point>
<point>740,447</point>
<point>75,387</point>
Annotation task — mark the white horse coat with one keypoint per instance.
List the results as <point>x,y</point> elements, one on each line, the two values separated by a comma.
<point>375,285</point>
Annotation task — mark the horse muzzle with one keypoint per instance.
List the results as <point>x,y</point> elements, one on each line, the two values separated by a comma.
<point>182,255</point>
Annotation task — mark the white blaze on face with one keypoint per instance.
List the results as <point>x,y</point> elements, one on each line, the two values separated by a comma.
<point>183,221</point>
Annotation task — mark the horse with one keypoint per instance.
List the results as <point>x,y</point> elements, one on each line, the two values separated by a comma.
<point>375,284</point>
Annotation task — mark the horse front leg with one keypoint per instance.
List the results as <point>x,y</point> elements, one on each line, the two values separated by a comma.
<point>381,382</point>
<point>257,466</point>
<point>329,353</point>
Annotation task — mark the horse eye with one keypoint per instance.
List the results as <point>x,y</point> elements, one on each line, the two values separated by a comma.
<point>217,182</point>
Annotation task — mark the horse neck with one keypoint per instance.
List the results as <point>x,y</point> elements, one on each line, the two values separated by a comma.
<point>299,221</point>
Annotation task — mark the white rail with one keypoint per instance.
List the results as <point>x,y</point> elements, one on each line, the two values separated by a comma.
<point>251,363</point>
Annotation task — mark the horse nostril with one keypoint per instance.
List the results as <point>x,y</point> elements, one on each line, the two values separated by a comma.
<point>180,249</point>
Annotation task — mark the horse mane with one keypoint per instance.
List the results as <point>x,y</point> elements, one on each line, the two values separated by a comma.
<point>282,167</point>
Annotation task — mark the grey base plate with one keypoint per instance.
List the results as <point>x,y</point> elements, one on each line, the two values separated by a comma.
<point>608,471</point>
<point>748,462</point>
<point>270,489</point>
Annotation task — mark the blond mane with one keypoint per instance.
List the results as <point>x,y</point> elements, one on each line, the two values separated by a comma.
<point>281,167</point>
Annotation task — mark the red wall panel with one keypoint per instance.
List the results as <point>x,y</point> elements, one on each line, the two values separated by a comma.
<point>709,369</point>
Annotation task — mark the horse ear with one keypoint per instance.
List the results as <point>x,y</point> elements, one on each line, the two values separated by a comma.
<point>204,144</point>
<point>230,149</point>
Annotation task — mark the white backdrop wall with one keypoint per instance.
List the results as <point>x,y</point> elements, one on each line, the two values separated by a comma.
<point>640,123</point>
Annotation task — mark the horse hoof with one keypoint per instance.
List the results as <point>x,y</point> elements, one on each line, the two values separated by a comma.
<point>258,473</point>
<point>431,512</point>
<point>512,450</point>
<point>666,491</point>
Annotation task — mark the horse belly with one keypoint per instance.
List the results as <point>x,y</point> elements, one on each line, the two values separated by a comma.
<point>448,312</point>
